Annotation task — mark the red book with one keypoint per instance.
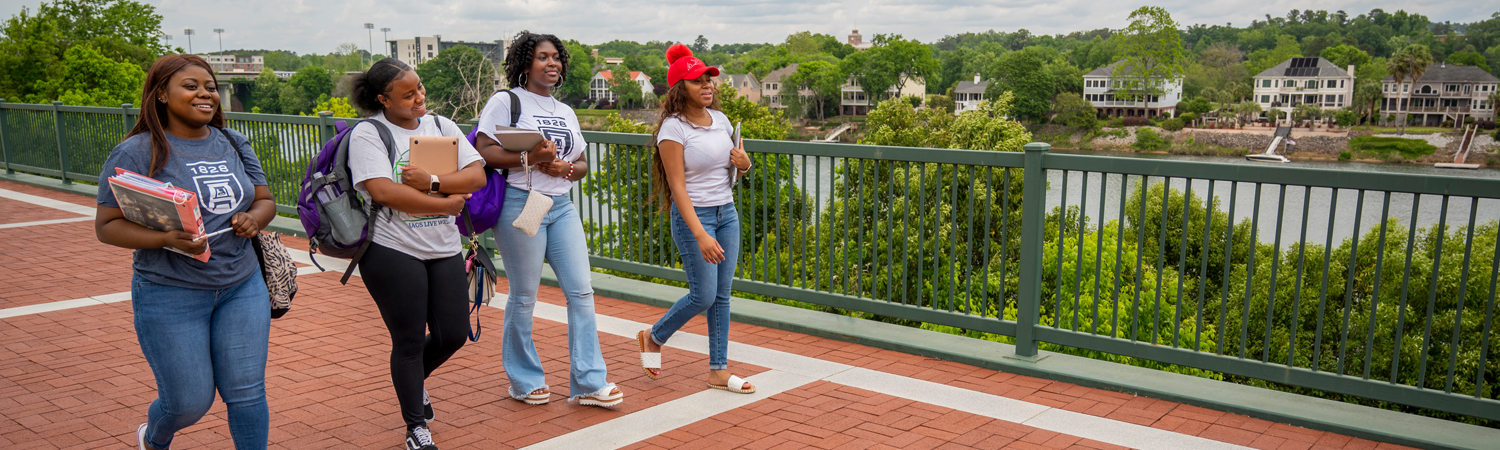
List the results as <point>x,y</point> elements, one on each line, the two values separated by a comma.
<point>158,206</point>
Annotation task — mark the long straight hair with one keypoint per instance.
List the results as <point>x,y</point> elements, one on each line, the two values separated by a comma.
<point>153,116</point>
<point>674,103</point>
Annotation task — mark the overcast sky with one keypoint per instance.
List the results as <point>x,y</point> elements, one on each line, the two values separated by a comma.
<point>318,26</point>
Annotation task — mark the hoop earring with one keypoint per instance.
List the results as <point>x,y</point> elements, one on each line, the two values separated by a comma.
<point>523,81</point>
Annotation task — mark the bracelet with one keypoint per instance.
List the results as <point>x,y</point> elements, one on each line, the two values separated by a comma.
<point>570,172</point>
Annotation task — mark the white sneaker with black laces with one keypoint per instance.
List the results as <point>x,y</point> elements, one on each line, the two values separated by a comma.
<point>420,438</point>
<point>427,413</point>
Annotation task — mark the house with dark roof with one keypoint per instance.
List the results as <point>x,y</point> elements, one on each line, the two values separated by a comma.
<point>1116,96</point>
<point>745,84</point>
<point>967,94</point>
<point>1299,81</point>
<point>1445,92</point>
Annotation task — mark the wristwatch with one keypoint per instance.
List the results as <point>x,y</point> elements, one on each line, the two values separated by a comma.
<point>435,185</point>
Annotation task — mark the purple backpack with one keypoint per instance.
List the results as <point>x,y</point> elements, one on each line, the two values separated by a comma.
<point>483,207</point>
<point>337,221</point>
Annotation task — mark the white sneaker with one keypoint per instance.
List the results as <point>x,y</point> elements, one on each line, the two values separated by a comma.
<point>140,436</point>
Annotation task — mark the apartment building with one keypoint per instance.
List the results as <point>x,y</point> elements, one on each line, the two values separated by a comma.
<point>1298,81</point>
<point>1113,97</point>
<point>1445,92</point>
<point>416,50</point>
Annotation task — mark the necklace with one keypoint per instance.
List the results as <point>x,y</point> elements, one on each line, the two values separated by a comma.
<point>544,108</point>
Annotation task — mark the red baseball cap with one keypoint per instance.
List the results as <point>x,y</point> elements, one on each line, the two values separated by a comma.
<point>682,65</point>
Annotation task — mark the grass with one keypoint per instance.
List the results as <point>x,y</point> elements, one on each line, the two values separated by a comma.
<point>1410,130</point>
<point>1386,147</point>
<point>595,112</point>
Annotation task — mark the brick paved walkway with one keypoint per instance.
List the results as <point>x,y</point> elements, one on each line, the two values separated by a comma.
<point>74,377</point>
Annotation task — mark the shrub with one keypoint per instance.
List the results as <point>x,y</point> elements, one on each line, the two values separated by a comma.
<point>1469,120</point>
<point>1447,124</point>
<point>1390,118</point>
<point>1345,155</point>
<point>1345,117</point>
<point>1188,117</point>
<point>1486,124</point>
<point>1115,122</point>
<point>1386,147</point>
<point>1134,121</point>
<point>1172,124</point>
<point>1148,140</point>
<point>1072,110</point>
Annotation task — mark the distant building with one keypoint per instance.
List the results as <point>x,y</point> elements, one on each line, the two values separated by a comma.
<point>967,95</point>
<point>1299,81</point>
<point>770,86</point>
<point>599,86</point>
<point>853,101</point>
<point>857,41</point>
<point>420,49</point>
<point>1111,95</point>
<point>745,85</point>
<point>1443,93</point>
<point>236,63</point>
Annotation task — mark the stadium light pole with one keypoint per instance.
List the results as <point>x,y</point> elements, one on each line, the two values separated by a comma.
<point>189,33</point>
<point>220,32</point>
<point>370,44</point>
<point>385,35</point>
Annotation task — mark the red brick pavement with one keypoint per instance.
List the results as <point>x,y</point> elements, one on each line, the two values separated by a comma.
<point>16,211</point>
<point>48,193</point>
<point>75,379</point>
<point>64,261</point>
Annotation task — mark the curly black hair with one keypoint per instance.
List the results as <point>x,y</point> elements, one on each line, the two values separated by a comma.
<point>523,49</point>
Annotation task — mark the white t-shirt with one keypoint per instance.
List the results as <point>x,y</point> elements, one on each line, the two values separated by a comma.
<point>705,157</point>
<point>553,118</point>
<point>421,237</point>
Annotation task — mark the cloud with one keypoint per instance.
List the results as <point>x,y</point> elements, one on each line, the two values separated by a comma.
<point>317,26</point>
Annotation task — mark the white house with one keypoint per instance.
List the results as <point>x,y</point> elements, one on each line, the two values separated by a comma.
<point>1304,80</point>
<point>1111,96</point>
<point>603,80</point>
<point>854,102</point>
<point>967,95</point>
<point>1443,93</point>
<point>771,86</point>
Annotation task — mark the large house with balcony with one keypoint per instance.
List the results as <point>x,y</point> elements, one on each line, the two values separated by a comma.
<point>770,87</point>
<point>1112,96</point>
<point>599,86</point>
<point>1298,81</point>
<point>854,102</point>
<point>1445,92</point>
<point>967,94</point>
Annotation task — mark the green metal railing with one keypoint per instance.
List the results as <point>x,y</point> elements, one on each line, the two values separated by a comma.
<point>1372,285</point>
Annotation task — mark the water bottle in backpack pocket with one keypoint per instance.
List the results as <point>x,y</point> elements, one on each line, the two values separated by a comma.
<point>337,221</point>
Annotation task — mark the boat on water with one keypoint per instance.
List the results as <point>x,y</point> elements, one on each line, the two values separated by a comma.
<point>1283,134</point>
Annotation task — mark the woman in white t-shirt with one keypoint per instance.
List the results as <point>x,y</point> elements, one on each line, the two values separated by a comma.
<point>694,168</point>
<point>534,65</point>
<point>412,268</point>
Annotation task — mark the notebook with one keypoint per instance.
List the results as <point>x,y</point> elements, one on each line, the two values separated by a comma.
<point>517,139</point>
<point>438,155</point>
<point>158,206</point>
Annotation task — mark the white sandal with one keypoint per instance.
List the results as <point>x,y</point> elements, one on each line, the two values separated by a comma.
<point>611,395</point>
<point>735,385</point>
<point>650,361</point>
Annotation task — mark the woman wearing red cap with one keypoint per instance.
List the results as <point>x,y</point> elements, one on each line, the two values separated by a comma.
<point>695,166</point>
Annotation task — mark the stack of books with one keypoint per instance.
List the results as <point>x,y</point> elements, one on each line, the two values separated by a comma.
<point>158,206</point>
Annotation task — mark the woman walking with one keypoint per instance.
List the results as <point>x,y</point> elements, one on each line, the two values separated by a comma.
<point>412,269</point>
<point>694,168</point>
<point>203,326</point>
<point>534,66</point>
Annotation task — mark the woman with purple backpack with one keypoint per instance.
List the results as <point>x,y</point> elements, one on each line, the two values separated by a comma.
<point>538,185</point>
<point>412,268</point>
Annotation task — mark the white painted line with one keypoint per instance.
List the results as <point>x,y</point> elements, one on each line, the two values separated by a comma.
<point>44,201</point>
<point>63,304</point>
<point>659,419</point>
<point>678,413</point>
<point>44,222</point>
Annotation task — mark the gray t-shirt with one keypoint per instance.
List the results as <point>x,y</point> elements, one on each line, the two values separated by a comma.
<point>423,238</point>
<point>224,177</point>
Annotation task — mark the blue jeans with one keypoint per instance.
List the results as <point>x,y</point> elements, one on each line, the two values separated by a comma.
<point>560,240</point>
<point>708,284</point>
<point>198,341</point>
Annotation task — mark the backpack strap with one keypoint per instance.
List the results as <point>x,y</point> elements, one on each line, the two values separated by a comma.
<point>515,118</point>
<point>373,208</point>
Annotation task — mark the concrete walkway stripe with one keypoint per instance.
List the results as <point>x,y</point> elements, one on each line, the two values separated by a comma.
<point>687,410</point>
<point>64,304</point>
<point>50,203</point>
<point>45,222</point>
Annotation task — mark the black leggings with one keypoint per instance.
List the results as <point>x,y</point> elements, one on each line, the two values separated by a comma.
<point>415,296</point>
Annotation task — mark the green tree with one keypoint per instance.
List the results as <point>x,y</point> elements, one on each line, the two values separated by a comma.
<point>34,47</point>
<point>889,64</point>
<point>1152,50</point>
<point>1345,55</point>
<point>308,85</point>
<point>1469,59</point>
<point>575,86</point>
<point>1072,110</point>
<point>824,79</point>
<point>339,106</point>
<point>1286,48</point>
<point>627,92</point>
<point>87,78</point>
<point>458,81</point>
<point>1408,64</point>
<point>265,95</point>
<point>1034,75</point>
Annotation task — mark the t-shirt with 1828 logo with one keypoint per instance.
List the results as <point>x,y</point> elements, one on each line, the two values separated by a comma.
<point>553,118</point>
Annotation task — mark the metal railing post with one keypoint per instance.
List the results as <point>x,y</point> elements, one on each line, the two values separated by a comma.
<point>62,142</point>
<point>5,146</point>
<point>325,127</point>
<point>1033,211</point>
<point>125,119</point>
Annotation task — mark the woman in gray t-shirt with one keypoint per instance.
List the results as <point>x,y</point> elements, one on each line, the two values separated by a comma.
<point>203,326</point>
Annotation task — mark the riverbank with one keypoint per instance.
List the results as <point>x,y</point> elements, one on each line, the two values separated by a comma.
<point>1235,144</point>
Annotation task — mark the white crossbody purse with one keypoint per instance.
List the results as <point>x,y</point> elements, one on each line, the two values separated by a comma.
<point>536,207</point>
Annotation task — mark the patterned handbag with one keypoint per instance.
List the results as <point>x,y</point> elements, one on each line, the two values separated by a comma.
<point>280,272</point>
<point>537,205</point>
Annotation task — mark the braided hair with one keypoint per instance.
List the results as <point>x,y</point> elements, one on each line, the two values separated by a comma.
<point>523,50</point>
